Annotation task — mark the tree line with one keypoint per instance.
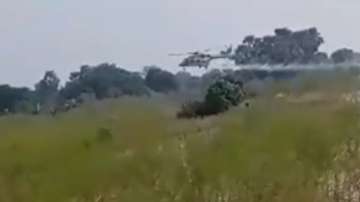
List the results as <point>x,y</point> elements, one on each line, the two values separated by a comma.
<point>89,83</point>
<point>110,81</point>
<point>290,47</point>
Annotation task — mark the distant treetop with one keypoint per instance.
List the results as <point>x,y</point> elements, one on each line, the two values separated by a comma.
<point>284,47</point>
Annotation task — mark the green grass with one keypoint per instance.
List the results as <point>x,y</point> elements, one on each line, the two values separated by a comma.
<point>274,151</point>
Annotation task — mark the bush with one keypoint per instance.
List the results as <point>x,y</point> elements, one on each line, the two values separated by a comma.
<point>220,96</point>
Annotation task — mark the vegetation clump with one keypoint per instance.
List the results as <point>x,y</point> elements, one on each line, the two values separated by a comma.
<point>160,81</point>
<point>220,96</point>
<point>284,47</point>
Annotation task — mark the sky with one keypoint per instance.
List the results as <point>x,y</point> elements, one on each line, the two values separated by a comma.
<point>62,35</point>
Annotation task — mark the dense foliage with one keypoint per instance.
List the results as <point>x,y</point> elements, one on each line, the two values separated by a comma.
<point>104,80</point>
<point>160,80</point>
<point>13,99</point>
<point>345,55</point>
<point>289,47</point>
<point>220,96</point>
<point>285,47</point>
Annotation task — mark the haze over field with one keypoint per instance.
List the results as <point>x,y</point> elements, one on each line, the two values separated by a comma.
<point>39,35</point>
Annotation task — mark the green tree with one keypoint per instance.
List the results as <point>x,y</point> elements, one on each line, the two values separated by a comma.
<point>284,47</point>
<point>343,55</point>
<point>160,80</point>
<point>47,88</point>
<point>104,80</point>
<point>12,98</point>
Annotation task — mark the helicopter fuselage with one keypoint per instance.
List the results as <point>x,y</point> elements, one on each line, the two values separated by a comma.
<point>201,60</point>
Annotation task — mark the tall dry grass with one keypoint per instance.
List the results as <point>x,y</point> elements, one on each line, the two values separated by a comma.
<point>274,151</point>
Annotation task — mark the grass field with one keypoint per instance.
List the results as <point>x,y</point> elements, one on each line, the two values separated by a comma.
<point>135,150</point>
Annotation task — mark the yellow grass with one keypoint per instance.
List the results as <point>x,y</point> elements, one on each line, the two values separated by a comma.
<point>274,151</point>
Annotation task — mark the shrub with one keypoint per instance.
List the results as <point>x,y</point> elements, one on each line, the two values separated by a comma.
<point>220,96</point>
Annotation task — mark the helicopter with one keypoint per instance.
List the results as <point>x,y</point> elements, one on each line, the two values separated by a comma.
<point>202,59</point>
